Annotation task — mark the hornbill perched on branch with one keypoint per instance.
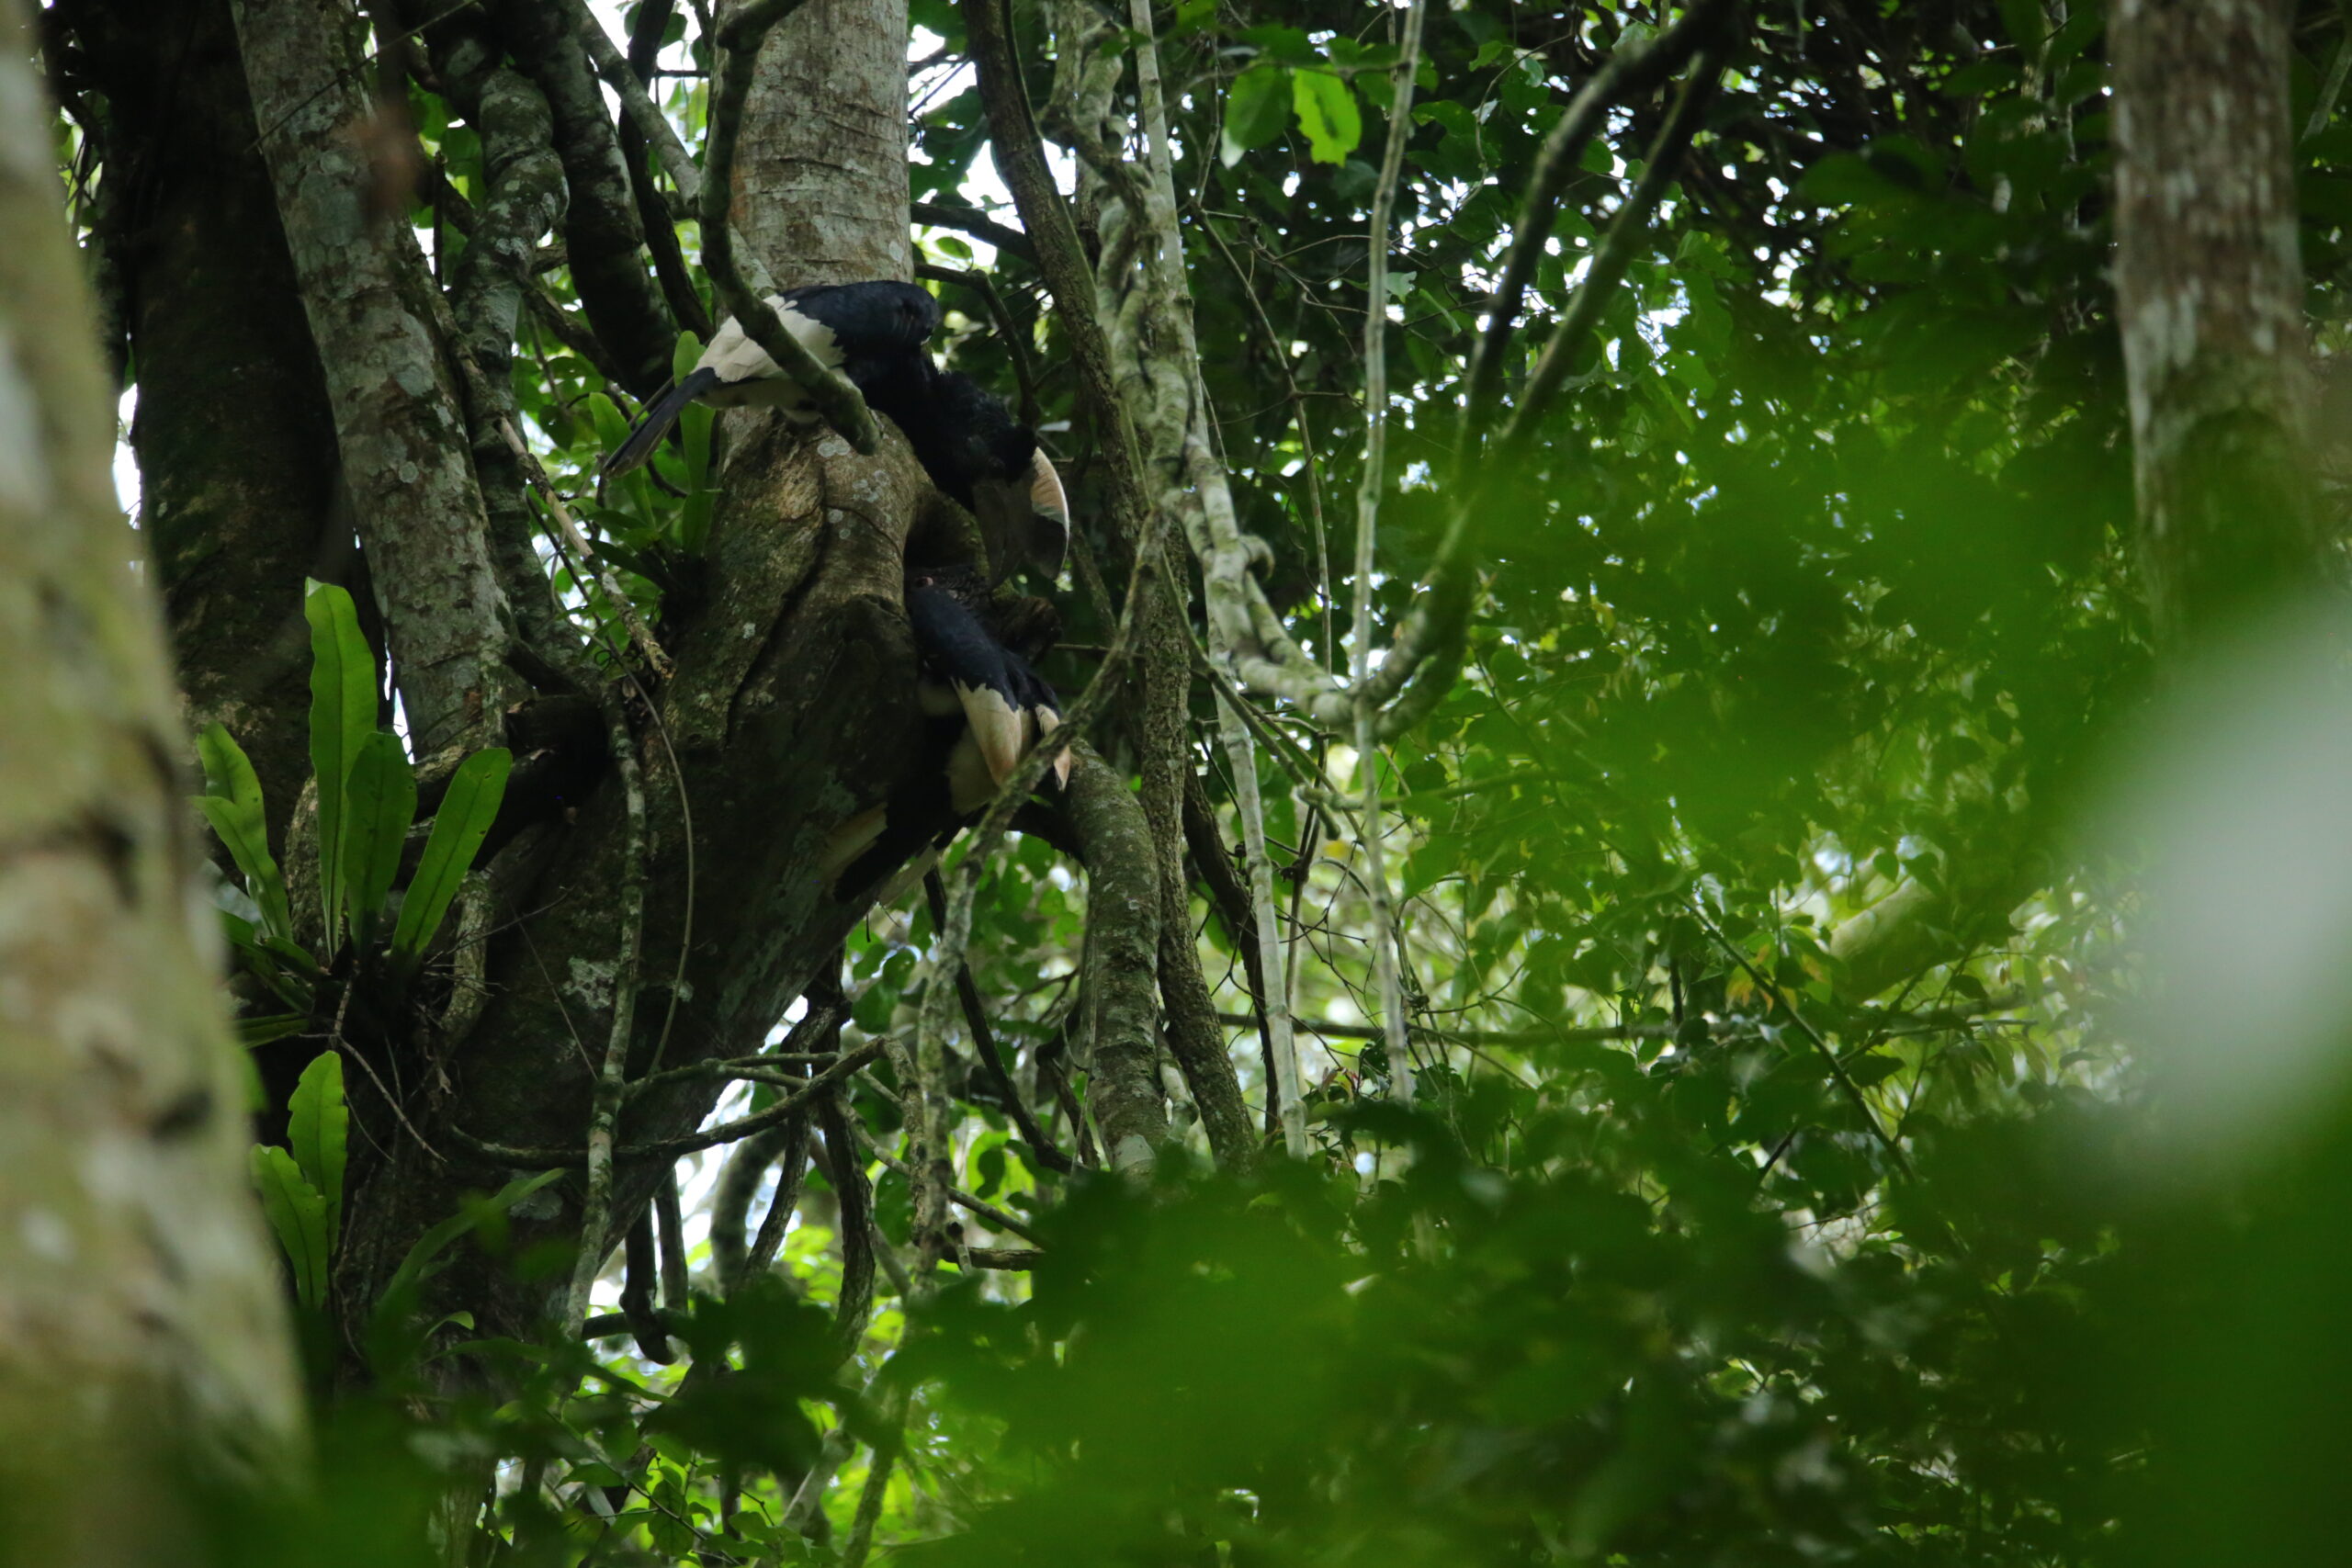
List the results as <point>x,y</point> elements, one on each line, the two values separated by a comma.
<point>983,705</point>
<point>875,334</point>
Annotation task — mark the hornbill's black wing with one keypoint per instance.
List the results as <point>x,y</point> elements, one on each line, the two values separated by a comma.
<point>984,704</point>
<point>1006,704</point>
<point>873,333</point>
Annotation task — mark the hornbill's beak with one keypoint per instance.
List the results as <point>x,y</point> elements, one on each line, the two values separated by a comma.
<point>1025,518</point>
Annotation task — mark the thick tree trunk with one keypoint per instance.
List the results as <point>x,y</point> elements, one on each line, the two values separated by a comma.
<point>399,413</point>
<point>139,1318</point>
<point>2209,287</point>
<point>235,443</point>
<point>820,180</point>
<point>791,710</point>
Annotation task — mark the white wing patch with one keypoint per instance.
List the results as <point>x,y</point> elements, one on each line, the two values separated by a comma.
<point>994,726</point>
<point>1047,722</point>
<point>747,377</point>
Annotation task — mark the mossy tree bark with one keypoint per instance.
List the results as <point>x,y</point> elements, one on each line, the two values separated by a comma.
<point>139,1317</point>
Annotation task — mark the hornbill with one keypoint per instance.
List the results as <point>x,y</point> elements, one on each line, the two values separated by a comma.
<point>983,705</point>
<point>875,334</point>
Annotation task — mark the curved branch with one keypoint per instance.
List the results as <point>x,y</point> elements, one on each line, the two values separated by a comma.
<point>1431,635</point>
<point>601,234</point>
<point>644,114</point>
<point>517,1157</point>
<point>979,224</point>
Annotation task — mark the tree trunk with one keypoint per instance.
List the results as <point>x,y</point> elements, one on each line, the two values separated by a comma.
<point>235,442</point>
<point>792,709</point>
<point>140,1314</point>
<point>2209,287</point>
<point>820,180</point>
<point>400,420</point>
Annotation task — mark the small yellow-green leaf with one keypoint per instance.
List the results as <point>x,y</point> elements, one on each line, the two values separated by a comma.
<point>1328,113</point>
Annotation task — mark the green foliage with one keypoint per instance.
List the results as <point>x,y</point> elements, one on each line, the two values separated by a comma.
<point>1739,856</point>
<point>343,714</point>
<point>319,1124</point>
<point>458,828</point>
<point>232,805</point>
<point>364,822</point>
<point>298,1213</point>
<point>380,802</point>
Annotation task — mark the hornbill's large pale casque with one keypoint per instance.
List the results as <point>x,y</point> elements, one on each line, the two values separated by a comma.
<point>877,335</point>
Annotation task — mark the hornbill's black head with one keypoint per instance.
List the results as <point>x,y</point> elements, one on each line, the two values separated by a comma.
<point>976,451</point>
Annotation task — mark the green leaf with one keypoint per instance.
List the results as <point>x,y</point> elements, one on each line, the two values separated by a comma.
<point>298,1215</point>
<point>1256,108</point>
<point>232,804</point>
<point>343,714</point>
<point>1328,113</point>
<point>458,828</point>
<point>253,1031</point>
<point>379,804</point>
<point>430,1244</point>
<point>318,1125</point>
<point>681,363</point>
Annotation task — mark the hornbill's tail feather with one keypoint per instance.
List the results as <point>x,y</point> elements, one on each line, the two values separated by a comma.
<point>655,423</point>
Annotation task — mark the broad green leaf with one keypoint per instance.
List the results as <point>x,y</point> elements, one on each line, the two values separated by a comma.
<point>233,793</point>
<point>682,359</point>
<point>250,850</point>
<point>1328,113</point>
<point>318,1125</point>
<point>343,714</point>
<point>430,1244</point>
<point>253,1031</point>
<point>1256,108</point>
<point>611,429</point>
<point>298,1215</point>
<point>694,427</point>
<point>379,804</point>
<point>458,828</point>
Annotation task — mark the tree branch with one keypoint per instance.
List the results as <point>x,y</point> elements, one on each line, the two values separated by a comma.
<point>517,1157</point>
<point>399,420</point>
<point>979,225</point>
<point>976,1020</point>
<point>604,1121</point>
<point>1431,635</point>
<point>1628,72</point>
<point>643,113</point>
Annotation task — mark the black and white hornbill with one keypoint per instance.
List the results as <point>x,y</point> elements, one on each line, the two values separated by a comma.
<point>875,334</point>
<point>983,705</point>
